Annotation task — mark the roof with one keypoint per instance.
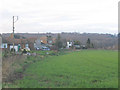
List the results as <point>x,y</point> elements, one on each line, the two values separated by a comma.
<point>31,40</point>
<point>4,40</point>
<point>24,41</point>
<point>16,41</point>
<point>44,39</point>
<point>54,40</point>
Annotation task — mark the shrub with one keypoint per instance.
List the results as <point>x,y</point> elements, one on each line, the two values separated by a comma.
<point>24,51</point>
<point>12,50</point>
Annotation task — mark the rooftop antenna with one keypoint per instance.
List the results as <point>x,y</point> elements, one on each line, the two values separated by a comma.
<point>14,17</point>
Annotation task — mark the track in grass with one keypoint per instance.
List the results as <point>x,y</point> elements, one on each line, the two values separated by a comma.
<point>82,69</point>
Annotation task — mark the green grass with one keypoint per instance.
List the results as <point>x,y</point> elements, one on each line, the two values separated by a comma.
<point>80,69</point>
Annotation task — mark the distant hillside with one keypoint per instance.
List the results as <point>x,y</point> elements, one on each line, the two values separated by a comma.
<point>99,40</point>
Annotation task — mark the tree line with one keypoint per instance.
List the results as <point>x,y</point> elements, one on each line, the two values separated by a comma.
<point>62,43</point>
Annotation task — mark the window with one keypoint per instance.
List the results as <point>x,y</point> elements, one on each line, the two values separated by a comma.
<point>4,45</point>
<point>50,41</point>
<point>26,45</point>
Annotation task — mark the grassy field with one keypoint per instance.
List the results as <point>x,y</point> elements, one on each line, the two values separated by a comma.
<point>80,69</point>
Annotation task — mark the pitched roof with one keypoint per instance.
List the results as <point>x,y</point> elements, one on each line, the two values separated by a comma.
<point>16,41</point>
<point>31,40</point>
<point>4,40</point>
<point>44,39</point>
<point>54,40</point>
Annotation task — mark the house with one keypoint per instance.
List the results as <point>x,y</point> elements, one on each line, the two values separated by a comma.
<point>69,44</point>
<point>44,42</point>
<point>48,40</point>
<point>4,44</point>
<point>83,47</point>
<point>7,43</point>
<point>44,39</point>
<point>21,43</point>
<point>38,44</point>
<point>31,42</point>
<point>18,44</point>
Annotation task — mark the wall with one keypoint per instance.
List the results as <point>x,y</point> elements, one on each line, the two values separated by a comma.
<point>15,47</point>
<point>4,45</point>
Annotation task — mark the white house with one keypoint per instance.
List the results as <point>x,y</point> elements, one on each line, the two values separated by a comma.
<point>69,44</point>
<point>4,45</point>
<point>15,47</point>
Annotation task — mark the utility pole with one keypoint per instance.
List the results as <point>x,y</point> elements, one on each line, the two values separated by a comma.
<point>14,31</point>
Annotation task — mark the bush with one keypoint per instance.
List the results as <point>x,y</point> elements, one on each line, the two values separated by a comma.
<point>24,51</point>
<point>53,53</point>
<point>12,50</point>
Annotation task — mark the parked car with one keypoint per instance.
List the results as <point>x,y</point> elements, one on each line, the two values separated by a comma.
<point>37,48</point>
<point>77,46</point>
<point>45,49</point>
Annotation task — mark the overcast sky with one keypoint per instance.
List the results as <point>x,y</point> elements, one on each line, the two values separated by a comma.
<point>90,16</point>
